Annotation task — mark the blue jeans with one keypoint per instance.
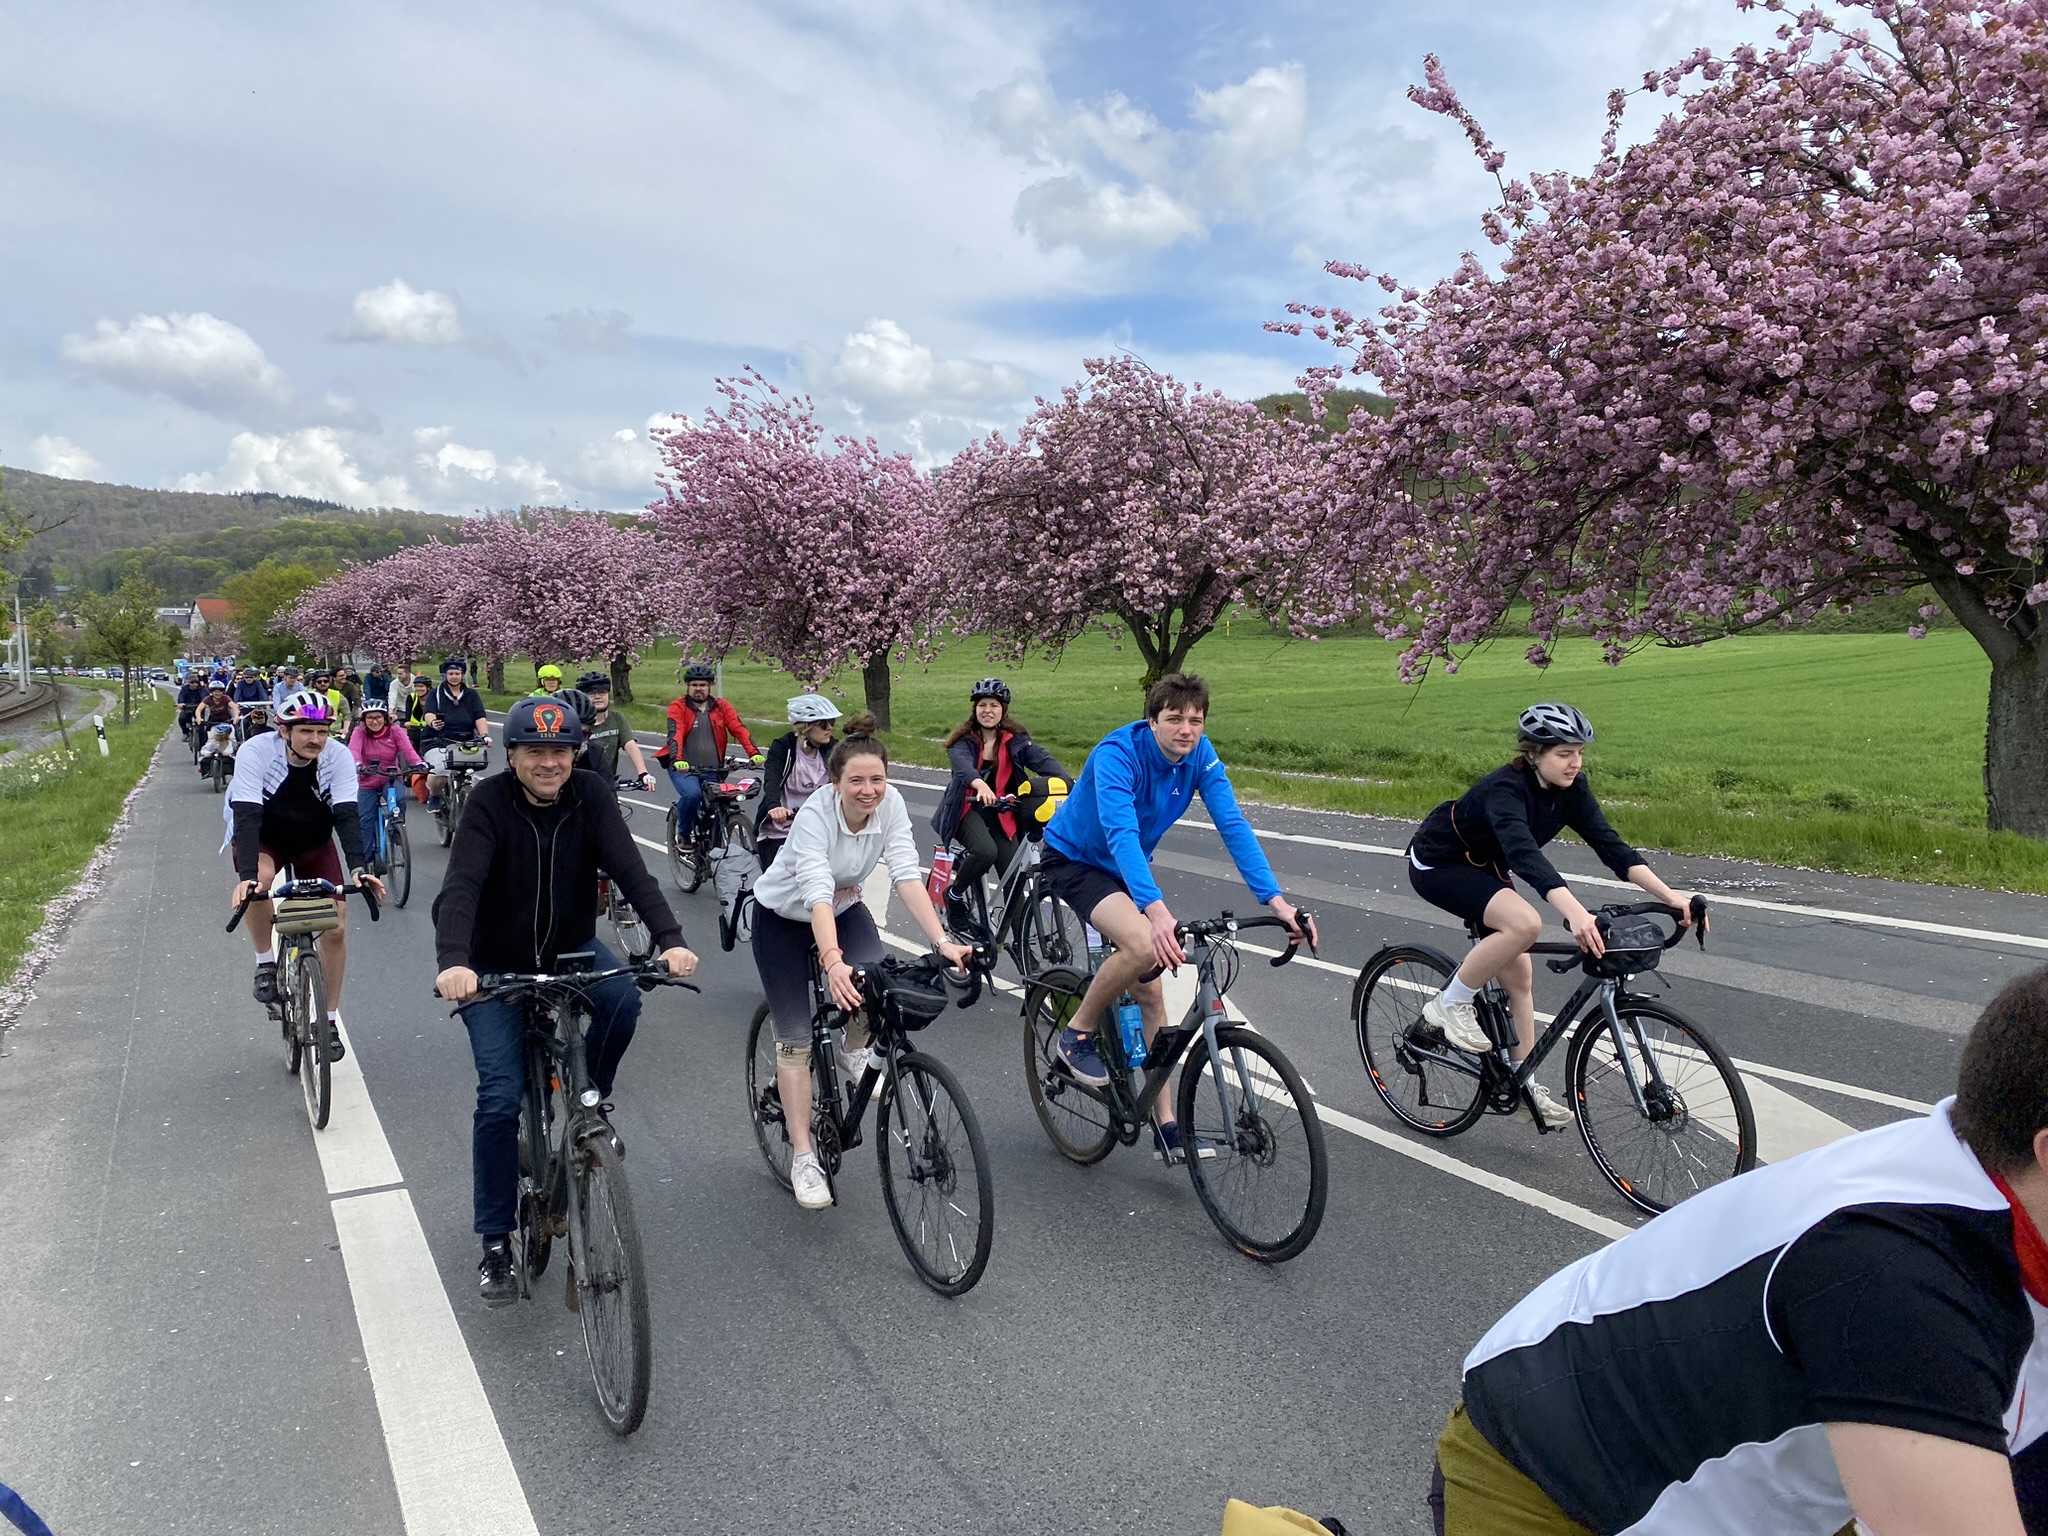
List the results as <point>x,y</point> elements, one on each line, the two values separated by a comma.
<point>497,1039</point>
<point>368,806</point>
<point>689,786</point>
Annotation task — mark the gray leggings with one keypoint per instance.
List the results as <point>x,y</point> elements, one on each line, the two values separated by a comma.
<point>782,953</point>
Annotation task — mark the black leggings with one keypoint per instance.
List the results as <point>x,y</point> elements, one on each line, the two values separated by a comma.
<point>782,954</point>
<point>983,847</point>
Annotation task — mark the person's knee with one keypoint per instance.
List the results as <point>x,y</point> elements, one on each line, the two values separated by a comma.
<point>1520,922</point>
<point>793,1056</point>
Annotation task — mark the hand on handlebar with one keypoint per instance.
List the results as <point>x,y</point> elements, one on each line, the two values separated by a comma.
<point>245,892</point>
<point>840,983</point>
<point>780,815</point>
<point>457,984</point>
<point>1166,948</point>
<point>979,788</point>
<point>1585,929</point>
<point>959,956</point>
<point>680,961</point>
<point>1300,925</point>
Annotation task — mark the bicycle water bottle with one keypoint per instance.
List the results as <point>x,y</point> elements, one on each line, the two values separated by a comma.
<point>1130,1023</point>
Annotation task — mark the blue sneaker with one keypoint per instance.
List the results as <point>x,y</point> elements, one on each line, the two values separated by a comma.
<point>1081,1058</point>
<point>1171,1151</point>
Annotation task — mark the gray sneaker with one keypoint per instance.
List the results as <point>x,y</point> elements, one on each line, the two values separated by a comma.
<point>1460,1024</point>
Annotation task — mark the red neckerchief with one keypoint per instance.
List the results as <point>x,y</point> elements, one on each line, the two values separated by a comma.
<point>2028,1243</point>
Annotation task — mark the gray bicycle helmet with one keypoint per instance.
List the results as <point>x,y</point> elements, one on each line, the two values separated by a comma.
<point>1554,724</point>
<point>579,701</point>
<point>595,682</point>
<point>990,688</point>
<point>812,709</point>
<point>700,672</point>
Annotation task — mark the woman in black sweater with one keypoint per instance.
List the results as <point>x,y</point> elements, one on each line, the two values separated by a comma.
<point>1462,855</point>
<point>990,754</point>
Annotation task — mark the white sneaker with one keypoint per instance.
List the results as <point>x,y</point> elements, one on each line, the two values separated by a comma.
<point>807,1182</point>
<point>852,1064</point>
<point>1459,1022</point>
<point>1555,1116</point>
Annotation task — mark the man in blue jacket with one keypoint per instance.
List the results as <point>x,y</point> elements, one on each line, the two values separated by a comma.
<point>1137,783</point>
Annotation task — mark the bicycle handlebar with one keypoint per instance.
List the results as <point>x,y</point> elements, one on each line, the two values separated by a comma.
<point>1222,927</point>
<point>1695,911</point>
<point>494,985</point>
<point>309,888</point>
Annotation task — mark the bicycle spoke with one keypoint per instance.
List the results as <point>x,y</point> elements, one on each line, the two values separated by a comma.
<point>612,1284</point>
<point>935,1175</point>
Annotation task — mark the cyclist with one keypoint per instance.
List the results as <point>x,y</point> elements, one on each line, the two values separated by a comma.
<point>699,726</point>
<point>254,722</point>
<point>795,771</point>
<point>1136,784</point>
<point>454,713</point>
<point>520,892</point>
<point>249,688</point>
<point>291,799</point>
<point>549,678</point>
<point>989,752</point>
<point>289,681</point>
<point>608,735</point>
<point>191,694</point>
<point>415,707</point>
<point>809,903</point>
<point>380,750</point>
<point>1463,853</point>
<point>1852,1334</point>
<point>218,710</point>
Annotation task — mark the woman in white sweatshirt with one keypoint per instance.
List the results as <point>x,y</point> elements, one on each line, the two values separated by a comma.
<point>808,902</point>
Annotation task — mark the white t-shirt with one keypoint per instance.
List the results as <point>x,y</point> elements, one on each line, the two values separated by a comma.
<point>824,860</point>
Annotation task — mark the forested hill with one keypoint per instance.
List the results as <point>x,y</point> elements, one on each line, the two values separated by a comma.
<point>188,541</point>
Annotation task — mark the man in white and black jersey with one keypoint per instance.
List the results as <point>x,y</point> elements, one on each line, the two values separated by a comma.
<point>1854,1333</point>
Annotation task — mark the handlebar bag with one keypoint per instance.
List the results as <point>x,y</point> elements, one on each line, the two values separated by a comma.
<point>306,914</point>
<point>1635,943</point>
<point>469,756</point>
<point>912,995</point>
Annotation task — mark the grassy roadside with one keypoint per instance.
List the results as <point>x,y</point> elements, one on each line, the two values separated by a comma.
<point>1854,752</point>
<point>54,813</point>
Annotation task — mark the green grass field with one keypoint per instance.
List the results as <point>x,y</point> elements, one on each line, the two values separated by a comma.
<point>1855,752</point>
<point>53,815</point>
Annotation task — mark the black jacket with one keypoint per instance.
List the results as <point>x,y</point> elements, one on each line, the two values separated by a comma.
<point>1502,822</point>
<point>1026,757</point>
<point>515,897</point>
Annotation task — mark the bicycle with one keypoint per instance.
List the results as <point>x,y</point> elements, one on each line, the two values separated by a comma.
<point>721,827</point>
<point>934,1164</point>
<point>218,765</point>
<point>1031,925</point>
<point>466,764</point>
<point>1251,1137</point>
<point>391,855</point>
<point>635,942</point>
<point>1634,1063</point>
<point>572,1181</point>
<point>301,911</point>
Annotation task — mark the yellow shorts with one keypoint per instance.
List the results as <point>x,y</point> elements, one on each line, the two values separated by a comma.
<point>1478,1492</point>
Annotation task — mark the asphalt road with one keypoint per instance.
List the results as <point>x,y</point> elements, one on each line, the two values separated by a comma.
<point>209,1324</point>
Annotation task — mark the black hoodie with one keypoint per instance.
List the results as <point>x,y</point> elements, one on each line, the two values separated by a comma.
<point>521,887</point>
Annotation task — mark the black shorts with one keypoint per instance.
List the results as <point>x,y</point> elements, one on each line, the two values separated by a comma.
<point>1081,886</point>
<point>1460,889</point>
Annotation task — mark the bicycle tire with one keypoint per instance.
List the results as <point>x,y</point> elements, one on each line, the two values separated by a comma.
<point>287,1024</point>
<point>1051,934</point>
<point>443,827</point>
<point>1252,1144</point>
<point>315,1029</point>
<point>764,1097</point>
<point>536,1231</point>
<point>683,865</point>
<point>458,802</point>
<point>1710,1136</point>
<point>611,1286</point>
<point>400,861</point>
<point>922,1120</point>
<point>1075,1121</point>
<point>1407,1061</point>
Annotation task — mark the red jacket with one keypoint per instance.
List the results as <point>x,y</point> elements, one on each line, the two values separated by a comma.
<point>725,724</point>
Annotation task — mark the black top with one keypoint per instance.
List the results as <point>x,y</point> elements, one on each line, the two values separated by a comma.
<point>521,886</point>
<point>1503,821</point>
<point>964,756</point>
<point>295,819</point>
<point>458,715</point>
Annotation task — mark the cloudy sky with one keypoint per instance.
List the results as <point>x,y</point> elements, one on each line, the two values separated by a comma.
<point>463,255</point>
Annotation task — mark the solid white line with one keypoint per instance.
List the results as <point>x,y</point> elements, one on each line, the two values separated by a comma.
<point>453,1474</point>
<point>353,1151</point>
<point>644,843</point>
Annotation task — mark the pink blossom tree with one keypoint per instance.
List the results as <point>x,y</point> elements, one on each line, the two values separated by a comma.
<point>1787,353</point>
<point>807,554</point>
<point>1132,501</point>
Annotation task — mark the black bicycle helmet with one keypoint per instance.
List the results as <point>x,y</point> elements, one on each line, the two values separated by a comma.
<point>453,664</point>
<point>1554,724</point>
<point>700,672</point>
<point>579,701</point>
<point>990,688</point>
<point>595,682</point>
<point>543,722</point>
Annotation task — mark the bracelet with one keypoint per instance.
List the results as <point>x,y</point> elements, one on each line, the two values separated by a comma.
<point>827,964</point>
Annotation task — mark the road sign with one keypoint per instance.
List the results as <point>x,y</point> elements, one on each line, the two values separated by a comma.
<point>99,726</point>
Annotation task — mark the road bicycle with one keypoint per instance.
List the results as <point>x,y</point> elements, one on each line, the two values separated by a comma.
<point>467,762</point>
<point>1249,1132</point>
<point>1016,912</point>
<point>934,1164</point>
<point>635,942</point>
<point>1662,1110</point>
<point>302,910</point>
<point>723,829</point>
<point>391,856</point>
<point>572,1179</point>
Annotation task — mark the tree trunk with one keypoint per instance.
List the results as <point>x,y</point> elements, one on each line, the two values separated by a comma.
<point>127,677</point>
<point>57,705</point>
<point>875,677</point>
<point>622,680</point>
<point>494,676</point>
<point>2016,742</point>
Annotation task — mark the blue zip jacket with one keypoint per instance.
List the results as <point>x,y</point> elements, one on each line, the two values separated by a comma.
<point>1129,794</point>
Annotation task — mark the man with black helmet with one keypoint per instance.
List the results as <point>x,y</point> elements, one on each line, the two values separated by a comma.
<point>520,892</point>
<point>699,726</point>
<point>609,735</point>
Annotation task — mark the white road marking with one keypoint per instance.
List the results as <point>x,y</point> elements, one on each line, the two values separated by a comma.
<point>353,1151</point>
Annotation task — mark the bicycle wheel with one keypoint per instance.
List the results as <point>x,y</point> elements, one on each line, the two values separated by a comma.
<point>458,802</point>
<point>611,1286</point>
<point>444,827</point>
<point>1050,934</point>
<point>1426,1081</point>
<point>286,1015</point>
<point>536,1226</point>
<point>764,1098</point>
<point>1699,1130</point>
<point>935,1174</point>
<point>1266,1185</point>
<point>400,859</point>
<point>684,862</point>
<point>315,1030</point>
<point>1078,1122</point>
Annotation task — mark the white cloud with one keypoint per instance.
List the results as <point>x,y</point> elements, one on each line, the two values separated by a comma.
<point>1257,125</point>
<point>446,462</point>
<point>63,458</point>
<point>1068,210</point>
<point>312,462</point>
<point>880,367</point>
<point>625,461</point>
<point>399,315</point>
<point>198,359</point>
<point>586,330</point>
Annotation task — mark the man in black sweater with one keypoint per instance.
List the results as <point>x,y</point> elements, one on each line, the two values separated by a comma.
<point>520,892</point>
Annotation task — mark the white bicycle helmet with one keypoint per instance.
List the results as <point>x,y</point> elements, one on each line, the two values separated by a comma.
<point>305,707</point>
<point>812,709</point>
<point>1554,724</point>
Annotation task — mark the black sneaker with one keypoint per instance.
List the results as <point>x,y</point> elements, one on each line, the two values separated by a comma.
<point>266,982</point>
<point>1171,1151</point>
<point>336,1049</point>
<point>497,1277</point>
